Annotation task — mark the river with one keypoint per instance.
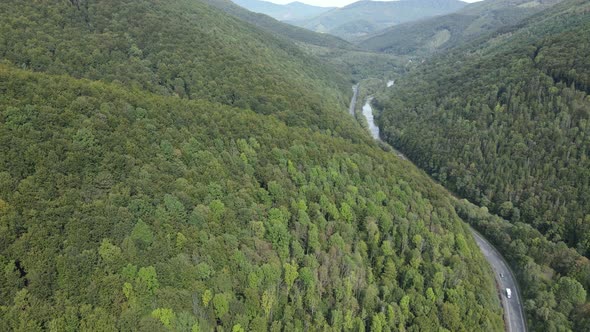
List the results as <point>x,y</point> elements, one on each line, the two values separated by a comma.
<point>368,113</point>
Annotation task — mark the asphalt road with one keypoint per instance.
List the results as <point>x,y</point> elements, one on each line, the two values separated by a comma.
<point>513,311</point>
<point>355,92</point>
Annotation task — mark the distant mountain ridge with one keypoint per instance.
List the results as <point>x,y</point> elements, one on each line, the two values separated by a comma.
<point>292,11</point>
<point>365,17</point>
<point>442,32</point>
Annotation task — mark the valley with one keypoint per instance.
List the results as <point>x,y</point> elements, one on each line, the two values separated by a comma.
<point>192,166</point>
<point>433,102</point>
<point>512,306</point>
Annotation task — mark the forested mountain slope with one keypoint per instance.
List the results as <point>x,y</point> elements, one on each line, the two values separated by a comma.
<point>166,167</point>
<point>183,48</point>
<point>505,123</point>
<point>126,210</point>
<point>443,32</point>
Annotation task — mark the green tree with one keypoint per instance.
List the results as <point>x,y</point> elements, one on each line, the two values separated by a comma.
<point>142,233</point>
<point>147,280</point>
<point>290,272</point>
<point>221,304</point>
<point>165,315</point>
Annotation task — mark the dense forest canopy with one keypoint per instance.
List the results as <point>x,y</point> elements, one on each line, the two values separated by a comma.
<point>164,166</point>
<point>519,133</point>
<point>188,165</point>
<point>124,210</point>
<point>504,121</point>
<point>183,48</point>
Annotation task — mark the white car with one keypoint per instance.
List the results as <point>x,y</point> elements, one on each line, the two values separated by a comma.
<point>508,293</point>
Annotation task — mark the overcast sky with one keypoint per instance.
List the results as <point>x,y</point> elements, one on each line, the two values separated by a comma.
<point>328,3</point>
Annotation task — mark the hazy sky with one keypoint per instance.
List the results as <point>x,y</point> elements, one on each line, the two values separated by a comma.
<point>329,3</point>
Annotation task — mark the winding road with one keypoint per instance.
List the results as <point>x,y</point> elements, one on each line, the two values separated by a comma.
<point>513,310</point>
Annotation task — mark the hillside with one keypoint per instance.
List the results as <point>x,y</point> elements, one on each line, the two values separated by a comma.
<point>504,123</point>
<point>291,11</point>
<point>164,166</point>
<point>438,33</point>
<point>184,48</point>
<point>296,34</point>
<point>364,17</point>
